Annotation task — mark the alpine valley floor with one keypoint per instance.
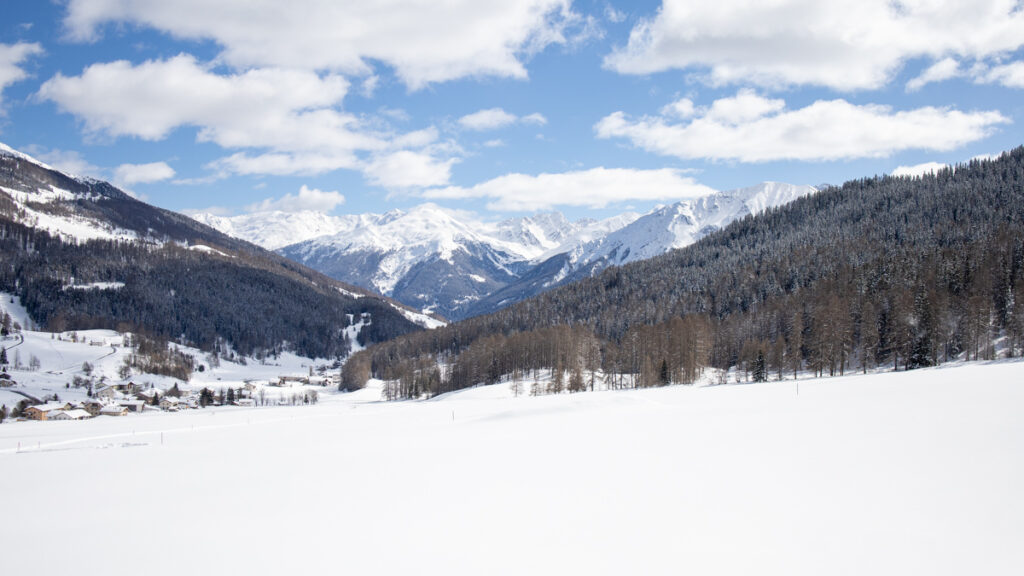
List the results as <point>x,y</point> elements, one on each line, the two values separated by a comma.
<point>909,473</point>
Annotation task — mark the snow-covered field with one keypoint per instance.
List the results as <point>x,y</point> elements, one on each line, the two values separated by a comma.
<point>909,473</point>
<point>61,358</point>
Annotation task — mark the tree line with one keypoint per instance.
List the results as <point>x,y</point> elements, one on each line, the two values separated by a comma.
<point>254,305</point>
<point>887,271</point>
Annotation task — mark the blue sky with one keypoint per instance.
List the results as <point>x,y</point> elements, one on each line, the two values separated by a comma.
<point>505,107</point>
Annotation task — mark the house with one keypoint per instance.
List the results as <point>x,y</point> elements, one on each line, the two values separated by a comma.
<point>6,381</point>
<point>108,393</point>
<point>170,403</point>
<point>92,406</point>
<point>43,411</point>
<point>73,414</point>
<point>114,410</point>
<point>148,394</point>
<point>249,402</point>
<point>126,388</point>
<point>288,380</point>
<point>132,405</point>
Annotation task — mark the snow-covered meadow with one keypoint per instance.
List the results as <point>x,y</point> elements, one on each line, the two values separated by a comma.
<point>909,473</point>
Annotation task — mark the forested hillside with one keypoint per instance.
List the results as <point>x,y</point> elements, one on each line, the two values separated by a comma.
<point>886,271</point>
<point>82,254</point>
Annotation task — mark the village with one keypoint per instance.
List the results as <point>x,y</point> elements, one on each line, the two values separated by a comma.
<point>127,398</point>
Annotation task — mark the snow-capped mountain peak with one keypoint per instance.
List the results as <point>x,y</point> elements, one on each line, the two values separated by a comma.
<point>430,257</point>
<point>683,223</point>
<point>274,229</point>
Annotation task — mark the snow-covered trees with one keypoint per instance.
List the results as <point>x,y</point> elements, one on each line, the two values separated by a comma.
<point>878,272</point>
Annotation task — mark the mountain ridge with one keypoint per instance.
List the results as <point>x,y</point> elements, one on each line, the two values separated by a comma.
<point>442,260</point>
<point>166,274</point>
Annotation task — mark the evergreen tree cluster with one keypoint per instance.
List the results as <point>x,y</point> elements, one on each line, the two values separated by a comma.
<point>885,271</point>
<point>235,295</point>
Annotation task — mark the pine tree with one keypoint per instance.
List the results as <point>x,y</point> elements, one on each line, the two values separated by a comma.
<point>760,370</point>
<point>3,356</point>
<point>3,413</point>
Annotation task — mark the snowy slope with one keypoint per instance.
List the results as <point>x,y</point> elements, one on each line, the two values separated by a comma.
<point>31,199</point>
<point>663,229</point>
<point>436,259</point>
<point>61,357</point>
<point>683,223</point>
<point>275,229</point>
<point>447,262</point>
<point>891,474</point>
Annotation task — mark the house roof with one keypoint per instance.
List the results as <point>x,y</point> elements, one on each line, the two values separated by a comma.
<point>49,406</point>
<point>76,414</point>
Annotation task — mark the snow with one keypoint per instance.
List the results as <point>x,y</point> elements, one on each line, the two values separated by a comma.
<point>69,227</point>
<point>423,318</point>
<point>5,149</point>
<point>62,355</point>
<point>407,238</point>
<point>908,473</point>
<point>208,250</point>
<point>12,305</point>
<point>274,229</point>
<point>681,224</point>
<point>96,286</point>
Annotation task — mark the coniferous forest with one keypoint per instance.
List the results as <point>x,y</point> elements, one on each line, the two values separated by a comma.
<point>883,272</point>
<point>227,296</point>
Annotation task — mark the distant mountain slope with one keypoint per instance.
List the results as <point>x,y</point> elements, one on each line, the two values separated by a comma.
<point>437,259</point>
<point>275,229</point>
<point>888,271</point>
<point>158,271</point>
<point>666,228</point>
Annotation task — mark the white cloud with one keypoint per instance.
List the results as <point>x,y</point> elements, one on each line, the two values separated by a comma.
<point>1010,75</point>
<point>281,163</point>
<point>496,143</point>
<point>408,169</point>
<point>425,42</point>
<point>12,56</point>
<point>129,174</point>
<point>919,169</point>
<point>306,199</point>
<point>151,99</point>
<point>67,161</point>
<point>614,16</point>
<point>942,70</point>
<point>489,119</point>
<point>750,128</point>
<point>536,119</point>
<point>494,118</point>
<point>841,44</point>
<point>594,188</point>
<point>369,85</point>
<point>283,122</point>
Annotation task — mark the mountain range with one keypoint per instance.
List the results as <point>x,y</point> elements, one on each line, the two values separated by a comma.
<point>888,272</point>
<point>83,254</point>
<point>451,263</point>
